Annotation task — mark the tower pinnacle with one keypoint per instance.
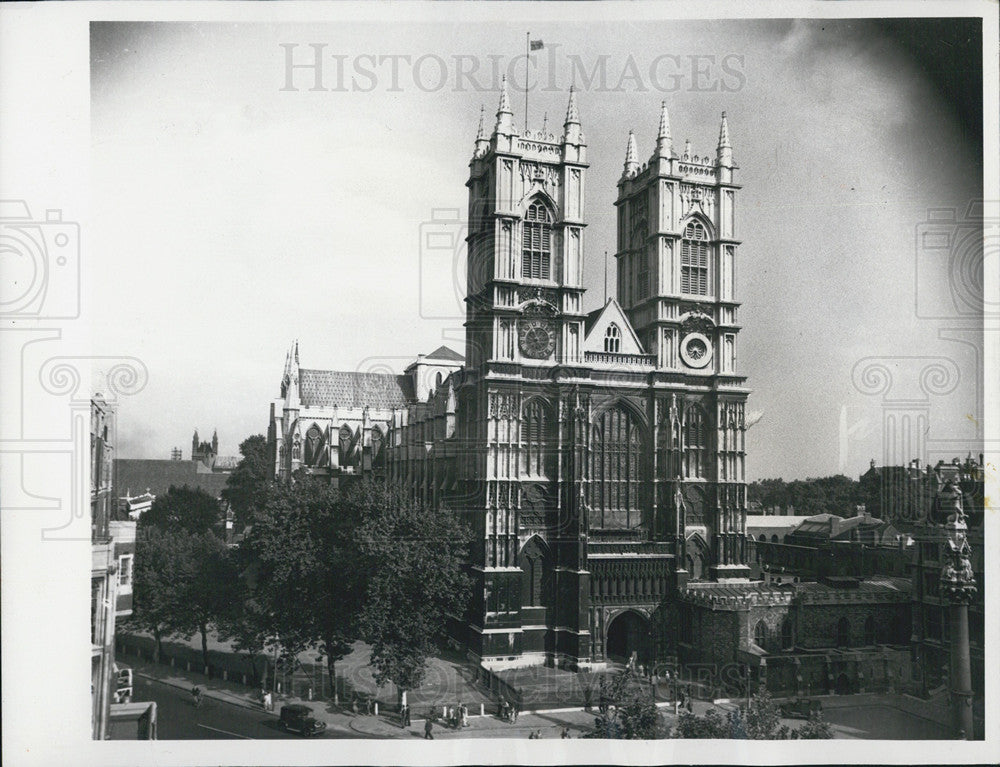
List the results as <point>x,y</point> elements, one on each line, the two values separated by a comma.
<point>482,142</point>
<point>571,128</point>
<point>505,117</point>
<point>664,142</point>
<point>631,157</point>
<point>725,150</point>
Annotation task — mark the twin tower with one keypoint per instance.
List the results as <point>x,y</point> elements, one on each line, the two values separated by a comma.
<point>603,465</point>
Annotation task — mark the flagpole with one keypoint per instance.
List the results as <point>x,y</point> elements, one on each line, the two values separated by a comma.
<point>605,275</point>
<point>527,55</point>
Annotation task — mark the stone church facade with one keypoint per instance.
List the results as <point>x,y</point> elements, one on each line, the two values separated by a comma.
<point>598,457</point>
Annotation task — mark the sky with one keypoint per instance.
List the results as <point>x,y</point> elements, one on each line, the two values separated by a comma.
<point>238,207</point>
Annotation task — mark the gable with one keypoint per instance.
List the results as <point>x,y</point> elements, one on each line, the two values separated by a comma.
<point>597,326</point>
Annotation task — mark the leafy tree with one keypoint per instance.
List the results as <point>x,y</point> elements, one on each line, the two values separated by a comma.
<point>247,485</point>
<point>182,509</point>
<point>628,711</point>
<point>247,623</point>
<point>814,729</point>
<point>209,588</point>
<point>761,721</point>
<point>410,559</point>
<point>162,567</point>
<point>304,569</point>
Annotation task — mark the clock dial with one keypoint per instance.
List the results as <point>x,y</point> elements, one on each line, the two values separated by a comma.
<point>696,350</point>
<point>537,340</point>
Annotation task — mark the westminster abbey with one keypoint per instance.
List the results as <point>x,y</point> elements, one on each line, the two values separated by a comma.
<point>599,457</point>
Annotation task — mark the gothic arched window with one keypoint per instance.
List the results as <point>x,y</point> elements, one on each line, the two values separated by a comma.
<point>612,339</point>
<point>614,474</point>
<point>695,443</point>
<point>536,439</point>
<point>787,635</point>
<point>760,635</point>
<point>694,260</point>
<point>314,446</point>
<point>377,440</point>
<point>536,243</point>
<point>346,437</point>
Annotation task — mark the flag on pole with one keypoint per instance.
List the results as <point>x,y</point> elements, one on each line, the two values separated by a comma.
<point>536,45</point>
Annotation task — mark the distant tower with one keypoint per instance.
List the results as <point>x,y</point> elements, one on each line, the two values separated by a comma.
<point>195,444</point>
<point>215,442</point>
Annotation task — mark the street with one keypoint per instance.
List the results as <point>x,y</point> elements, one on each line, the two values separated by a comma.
<point>179,719</point>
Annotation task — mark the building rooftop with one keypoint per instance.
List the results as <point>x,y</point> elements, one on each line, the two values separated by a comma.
<point>353,389</point>
<point>444,353</point>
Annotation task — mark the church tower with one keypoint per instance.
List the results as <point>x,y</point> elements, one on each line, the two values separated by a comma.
<point>525,242</point>
<point>676,257</point>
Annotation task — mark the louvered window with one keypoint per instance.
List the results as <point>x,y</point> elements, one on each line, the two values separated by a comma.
<point>536,249</point>
<point>536,440</point>
<point>694,260</point>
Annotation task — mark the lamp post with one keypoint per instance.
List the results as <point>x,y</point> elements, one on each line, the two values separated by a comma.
<point>958,587</point>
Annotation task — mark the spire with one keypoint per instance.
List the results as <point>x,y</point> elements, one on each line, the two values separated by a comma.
<point>296,352</point>
<point>572,115</point>
<point>725,151</point>
<point>687,149</point>
<point>571,128</point>
<point>482,142</point>
<point>631,157</point>
<point>505,117</point>
<point>545,123</point>
<point>664,142</point>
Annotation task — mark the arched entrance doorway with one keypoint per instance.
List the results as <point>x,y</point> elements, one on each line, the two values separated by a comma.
<point>843,685</point>
<point>628,633</point>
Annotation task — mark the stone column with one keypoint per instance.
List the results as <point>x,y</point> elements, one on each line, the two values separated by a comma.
<point>958,587</point>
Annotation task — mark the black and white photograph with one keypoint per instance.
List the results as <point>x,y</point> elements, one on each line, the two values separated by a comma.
<point>436,377</point>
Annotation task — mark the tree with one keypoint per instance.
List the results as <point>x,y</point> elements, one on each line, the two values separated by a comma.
<point>628,711</point>
<point>162,567</point>
<point>209,588</point>
<point>246,623</point>
<point>760,721</point>
<point>246,487</point>
<point>410,559</point>
<point>301,564</point>
<point>182,508</point>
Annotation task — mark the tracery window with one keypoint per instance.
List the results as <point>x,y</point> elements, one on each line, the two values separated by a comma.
<point>614,486</point>
<point>346,438</point>
<point>613,339</point>
<point>760,635</point>
<point>536,244</point>
<point>694,260</point>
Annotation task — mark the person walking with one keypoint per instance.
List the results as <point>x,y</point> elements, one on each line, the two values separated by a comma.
<point>565,733</point>
<point>428,727</point>
<point>532,736</point>
<point>268,702</point>
<point>465,714</point>
<point>514,711</point>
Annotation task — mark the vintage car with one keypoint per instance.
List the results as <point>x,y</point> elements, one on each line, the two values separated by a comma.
<point>800,708</point>
<point>298,718</point>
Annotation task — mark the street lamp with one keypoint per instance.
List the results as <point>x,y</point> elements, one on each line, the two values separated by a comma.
<point>958,587</point>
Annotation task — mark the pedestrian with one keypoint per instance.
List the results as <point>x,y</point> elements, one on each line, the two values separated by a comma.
<point>402,715</point>
<point>408,720</point>
<point>368,706</point>
<point>354,703</point>
<point>514,711</point>
<point>532,736</point>
<point>465,714</point>
<point>689,708</point>
<point>503,709</point>
<point>565,733</point>
<point>428,726</point>
<point>268,703</point>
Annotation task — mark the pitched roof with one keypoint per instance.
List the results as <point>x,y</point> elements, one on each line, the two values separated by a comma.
<point>135,475</point>
<point>379,391</point>
<point>444,353</point>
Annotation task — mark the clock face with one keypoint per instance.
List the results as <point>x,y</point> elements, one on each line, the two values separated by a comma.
<point>696,350</point>
<point>537,339</point>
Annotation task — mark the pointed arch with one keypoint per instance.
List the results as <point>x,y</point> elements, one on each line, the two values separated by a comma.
<point>315,443</point>
<point>616,466</point>
<point>534,559</point>
<point>537,235</point>
<point>696,251</point>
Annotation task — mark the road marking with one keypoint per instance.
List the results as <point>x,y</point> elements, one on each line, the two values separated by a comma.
<point>225,732</point>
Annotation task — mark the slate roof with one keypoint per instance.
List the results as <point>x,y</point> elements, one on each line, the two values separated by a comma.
<point>379,391</point>
<point>135,475</point>
<point>444,353</point>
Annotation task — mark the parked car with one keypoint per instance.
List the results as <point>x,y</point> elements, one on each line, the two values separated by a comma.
<point>298,718</point>
<point>800,708</point>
